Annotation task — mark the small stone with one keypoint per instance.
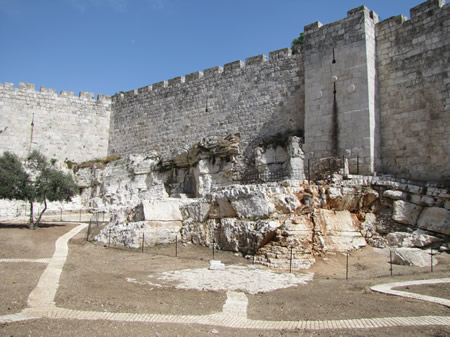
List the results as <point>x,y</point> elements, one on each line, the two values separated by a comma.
<point>216,265</point>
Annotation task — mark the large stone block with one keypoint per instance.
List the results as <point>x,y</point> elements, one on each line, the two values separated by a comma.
<point>412,257</point>
<point>406,213</point>
<point>160,210</point>
<point>252,205</point>
<point>435,219</point>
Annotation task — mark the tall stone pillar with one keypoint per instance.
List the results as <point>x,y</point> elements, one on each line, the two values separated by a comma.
<point>340,90</point>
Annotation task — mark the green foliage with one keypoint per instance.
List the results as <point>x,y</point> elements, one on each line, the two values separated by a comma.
<point>14,181</point>
<point>45,183</point>
<point>297,42</point>
<point>69,164</point>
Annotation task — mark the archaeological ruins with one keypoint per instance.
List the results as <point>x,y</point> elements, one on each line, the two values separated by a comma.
<point>340,143</point>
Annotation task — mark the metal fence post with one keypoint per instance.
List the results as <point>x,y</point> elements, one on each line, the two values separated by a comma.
<point>88,231</point>
<point>357,164</point>
<point>290,262</point>
<point>390,260</point>
<point>346,268</point>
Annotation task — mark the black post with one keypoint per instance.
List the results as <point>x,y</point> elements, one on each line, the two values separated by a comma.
<point>60,219</point>
<point>97,218</point>
<point>104,216</point>
<point>290,262</point>
<point>346,268</point>
<point>143,241</point>
<point>357,164</point>
<point>390,260</point>
<point>214,248</point>
<point>431,255</point>
<point>176,245</point>
<point>254,250</point>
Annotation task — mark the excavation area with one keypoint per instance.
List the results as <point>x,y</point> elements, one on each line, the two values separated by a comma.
<point>169,290</point>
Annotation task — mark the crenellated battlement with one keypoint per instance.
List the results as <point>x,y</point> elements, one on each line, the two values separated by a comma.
<point>238,67</point>
<point>425,11</point>
<point>30,88</point>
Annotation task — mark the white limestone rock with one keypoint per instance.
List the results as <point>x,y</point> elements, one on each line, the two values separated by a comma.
<point>435,219</point>
<point>394,195</point>
<point>84,177</point>
<point>225,209</point>
<point>424,200</point>
<point>244,236</point>
<point>412,257</point>
<point>369,196</point>
<point>405,212</point>
<point>286,203</point>
<point>253,205</point>
<point>343,198</point>
<point>198,210</point>
<point>198,233</point>
<point>410,240</point>
<point>216,265</point>
<point>160,210</point>
<point>139,164</point>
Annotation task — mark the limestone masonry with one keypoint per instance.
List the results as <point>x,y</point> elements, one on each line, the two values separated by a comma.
<point>375,93</point>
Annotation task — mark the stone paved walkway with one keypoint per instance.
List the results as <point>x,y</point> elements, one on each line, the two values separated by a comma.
<point>41,304</point>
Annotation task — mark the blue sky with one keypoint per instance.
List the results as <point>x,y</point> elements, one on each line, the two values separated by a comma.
<point>108,46</point>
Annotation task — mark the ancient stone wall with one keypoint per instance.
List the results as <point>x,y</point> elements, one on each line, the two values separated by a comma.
<point>413,92</point>
<point>260,99</point>
<point>60,126</point>
<point>376,93</point>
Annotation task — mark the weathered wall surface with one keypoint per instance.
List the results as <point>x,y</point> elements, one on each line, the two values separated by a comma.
<point>340,88</point>
<point>263,98</point>
<point>64,126</point>
<point>413,92</point>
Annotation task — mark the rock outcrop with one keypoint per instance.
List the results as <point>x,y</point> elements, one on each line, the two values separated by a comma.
<point>198,196</point>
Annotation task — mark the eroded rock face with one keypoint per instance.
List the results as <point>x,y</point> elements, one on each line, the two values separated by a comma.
<point>339,230</point>
<point>134,234</point>
<point>411,240</point>
<point>244,236</point>
<point>253,205</point>
<point>271,220</point>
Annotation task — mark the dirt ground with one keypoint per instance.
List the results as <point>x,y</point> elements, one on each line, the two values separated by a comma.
<point>111,279</point>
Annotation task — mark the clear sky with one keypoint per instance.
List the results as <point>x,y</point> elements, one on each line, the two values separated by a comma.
<point>108,46</point>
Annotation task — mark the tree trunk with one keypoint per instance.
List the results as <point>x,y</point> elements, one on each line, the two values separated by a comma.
<point>42,213</point>
<point>31,225</point>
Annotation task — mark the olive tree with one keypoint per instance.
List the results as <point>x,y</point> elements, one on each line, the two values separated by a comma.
<point>36,181</point>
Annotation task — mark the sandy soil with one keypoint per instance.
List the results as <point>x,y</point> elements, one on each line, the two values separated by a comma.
<point>436,290</point>
<point>18,242</point>
<point>95,278</point>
